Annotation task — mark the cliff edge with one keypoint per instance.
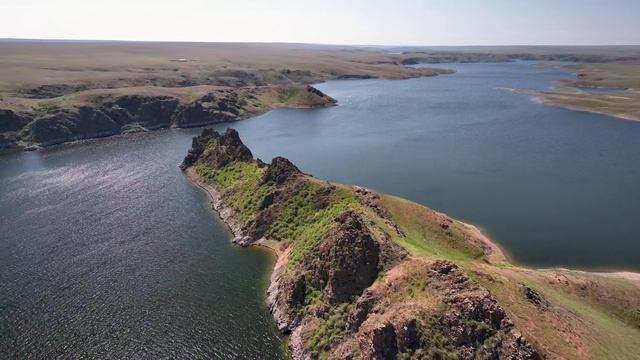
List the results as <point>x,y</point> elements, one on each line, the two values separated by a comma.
<point>362,275</point>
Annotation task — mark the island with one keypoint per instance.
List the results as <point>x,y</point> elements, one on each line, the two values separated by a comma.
<point>365,275</point>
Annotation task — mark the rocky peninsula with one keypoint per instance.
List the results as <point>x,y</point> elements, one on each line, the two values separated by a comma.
<point>99,113</point>
<point>363,275</point>
<point>54,92</point>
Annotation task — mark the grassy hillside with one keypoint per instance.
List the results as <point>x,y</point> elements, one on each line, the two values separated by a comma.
<point>366,275</point>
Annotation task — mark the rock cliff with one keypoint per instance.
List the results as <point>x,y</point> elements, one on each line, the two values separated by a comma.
<point>344,287</point>
<point>98,114</point>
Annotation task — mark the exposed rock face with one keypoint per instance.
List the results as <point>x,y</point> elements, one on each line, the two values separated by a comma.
<point>108,115</point>
<point>279,171</point>
<point>349,259</point>
<point>66,125</point>
<point>52,90</point>
<point>473,325</point>
<point>535,298</point>
<point>379,343</point>
<point>351,293</point>
<point>210,108</point>
<point>342,266</point>
<point>372,200</point>
<point>150,112</point>
<point>12,121</point>
<point>230,148</point>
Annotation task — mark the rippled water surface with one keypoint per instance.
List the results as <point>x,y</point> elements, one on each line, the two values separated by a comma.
<point>107,251</point>
<point>553,186</point>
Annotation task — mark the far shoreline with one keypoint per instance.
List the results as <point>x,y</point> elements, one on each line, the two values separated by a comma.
<point>496,252</point>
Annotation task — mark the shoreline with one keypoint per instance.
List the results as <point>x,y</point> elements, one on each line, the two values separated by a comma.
<point>219,208</point>
<point>497,252</point>
<point>287,329</point>
<point>540,98</point>
<point>543,98</point>
<point>518,291</point>
<point>22,145</point>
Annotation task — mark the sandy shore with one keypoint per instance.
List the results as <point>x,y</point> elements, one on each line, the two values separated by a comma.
<point>541,99</point>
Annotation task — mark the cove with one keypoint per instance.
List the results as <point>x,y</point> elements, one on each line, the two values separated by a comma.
<point>554,187</point>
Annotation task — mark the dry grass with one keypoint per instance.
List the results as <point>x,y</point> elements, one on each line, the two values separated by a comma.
<point>587,316</point>
<point>576,94</point>
<point>29,64</point>
<point>624,105</point>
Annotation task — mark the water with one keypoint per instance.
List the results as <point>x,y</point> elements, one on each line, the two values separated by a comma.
<point>107,251</point>
<point>552,186</point>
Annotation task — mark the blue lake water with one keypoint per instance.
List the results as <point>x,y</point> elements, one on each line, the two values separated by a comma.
<point>107,251</point>
<point>552,186</point>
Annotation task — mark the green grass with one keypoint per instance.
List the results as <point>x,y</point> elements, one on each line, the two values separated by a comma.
<point>615,339</point>
<point>247,198</point>
<point>247,195</point>
<point>424,237</point>
<point>330,330</point>
<point>305,225</point>
<point>416,286</point>
<point>287,93</point>
<point>229,174</point>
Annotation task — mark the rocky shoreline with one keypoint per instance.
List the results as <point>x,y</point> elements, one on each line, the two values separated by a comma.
<point>226,213</point>
<point>102,113</point>
<point>363,287</point>
<point>343,267</point>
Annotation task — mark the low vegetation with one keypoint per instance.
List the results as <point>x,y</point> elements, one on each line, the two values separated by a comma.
<point>302,223</point>
<point>435,289</point>
<point>608,88</point>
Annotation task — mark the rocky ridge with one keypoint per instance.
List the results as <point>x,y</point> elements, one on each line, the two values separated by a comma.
<point>342,287</point>
<point>105,114</point>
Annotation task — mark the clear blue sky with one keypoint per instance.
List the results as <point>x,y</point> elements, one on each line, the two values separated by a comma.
<point>399,22</point>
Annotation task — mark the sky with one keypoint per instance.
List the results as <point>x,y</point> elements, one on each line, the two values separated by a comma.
<point>364,22</point>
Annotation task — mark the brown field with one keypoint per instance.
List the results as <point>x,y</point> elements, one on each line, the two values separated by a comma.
<point>26,65</point>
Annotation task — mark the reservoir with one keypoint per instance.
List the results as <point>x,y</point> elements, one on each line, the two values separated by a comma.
<point>108,251</point>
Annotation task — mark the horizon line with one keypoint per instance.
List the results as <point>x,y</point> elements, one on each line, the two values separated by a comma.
<point>5,39</point>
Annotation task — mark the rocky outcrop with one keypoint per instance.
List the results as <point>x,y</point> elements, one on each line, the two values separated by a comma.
<point>279,172</point>
<point>52,90</point>
<point>220,107</point>
<point>12,120</point>
<point>379,343</point>
<point>354,293</point>
<point>471,324</point>
<point>151,112</point>
<point>341,267</point>
<point>67,125</point>
<point>106,114</point>
<point>349,260</point>
<point>228,148</point>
